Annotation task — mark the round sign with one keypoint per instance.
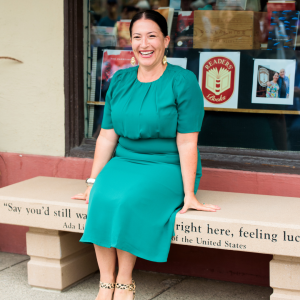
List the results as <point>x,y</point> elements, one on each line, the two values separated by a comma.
<point>218,77</point>
<point>263,76</point>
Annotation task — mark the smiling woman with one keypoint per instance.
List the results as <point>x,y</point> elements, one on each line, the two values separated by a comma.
<point>149,39</point>
<point>153,114</point>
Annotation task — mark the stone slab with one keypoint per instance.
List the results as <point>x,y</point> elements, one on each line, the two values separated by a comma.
<point>205,289</point>
<point>10,259</point>
<point>246,222</point>
<point>57,259</point>
<point>14,285</point>
<point>53,244</point>
<point>59,274</point>
<point>285,277</point>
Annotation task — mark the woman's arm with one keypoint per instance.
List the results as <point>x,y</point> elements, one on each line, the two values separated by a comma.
<point>268,93</point>
<point>105,145</point>
<point>188,154</point>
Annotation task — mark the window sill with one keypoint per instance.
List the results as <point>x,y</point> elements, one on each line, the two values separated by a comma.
<point>227,158</point>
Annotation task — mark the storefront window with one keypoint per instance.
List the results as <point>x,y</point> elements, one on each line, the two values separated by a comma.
<point>245,54</point>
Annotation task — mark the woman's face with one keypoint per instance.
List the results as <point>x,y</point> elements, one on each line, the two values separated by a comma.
<point>148,42</point>
<point>275,77</point>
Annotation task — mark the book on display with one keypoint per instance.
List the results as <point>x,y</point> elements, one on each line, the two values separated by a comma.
<point>168,13</point>
<point>279,6</point>
<point>123,34</point>
<point>283,30</point>
<point>184,30</point>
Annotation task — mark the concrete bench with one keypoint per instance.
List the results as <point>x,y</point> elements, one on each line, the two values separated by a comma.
<point>251,223</point>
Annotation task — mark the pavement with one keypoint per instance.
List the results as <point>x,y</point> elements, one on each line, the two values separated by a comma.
<point>149,285</point>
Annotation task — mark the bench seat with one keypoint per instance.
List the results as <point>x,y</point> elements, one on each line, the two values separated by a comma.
<point>246,222</point>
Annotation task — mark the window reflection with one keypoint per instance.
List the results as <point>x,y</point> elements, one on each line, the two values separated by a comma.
<point>251,28</point>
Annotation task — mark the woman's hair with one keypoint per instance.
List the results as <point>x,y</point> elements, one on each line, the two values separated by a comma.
<point>277,73</point>
<point>151,15</point>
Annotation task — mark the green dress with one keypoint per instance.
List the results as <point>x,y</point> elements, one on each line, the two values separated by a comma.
<point>135,198</point>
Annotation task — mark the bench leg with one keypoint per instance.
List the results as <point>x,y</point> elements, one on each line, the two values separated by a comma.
<point>57,258</point>
<point>285,277</point>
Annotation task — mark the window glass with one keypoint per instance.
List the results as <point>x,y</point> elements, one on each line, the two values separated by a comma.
<point>245,54</point>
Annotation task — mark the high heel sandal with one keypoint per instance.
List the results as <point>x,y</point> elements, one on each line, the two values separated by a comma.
<point>109,286</point>
<point>130,287</point>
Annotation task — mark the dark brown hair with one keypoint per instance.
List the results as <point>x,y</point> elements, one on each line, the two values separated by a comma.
<point>151,15</point>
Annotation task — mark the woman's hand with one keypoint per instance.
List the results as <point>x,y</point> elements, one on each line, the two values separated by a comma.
<point>190,201</point>
<point>84,196</point>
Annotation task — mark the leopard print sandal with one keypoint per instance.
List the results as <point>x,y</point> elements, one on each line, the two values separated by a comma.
<point>105,285</point>
<point>130,287</point>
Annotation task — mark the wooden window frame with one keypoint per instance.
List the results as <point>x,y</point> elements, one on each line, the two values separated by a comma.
<point>77,146</point>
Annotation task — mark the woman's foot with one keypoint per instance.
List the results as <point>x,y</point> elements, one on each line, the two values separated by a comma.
<point>105,294</point>
<point>123,293</point>
<point>106,288</point>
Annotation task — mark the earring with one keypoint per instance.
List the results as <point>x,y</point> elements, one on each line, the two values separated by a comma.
<point>133,60</point>
<point>164,61</point>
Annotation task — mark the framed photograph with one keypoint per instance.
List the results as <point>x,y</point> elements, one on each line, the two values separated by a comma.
<point>273,81</point>
<point>219,74</point>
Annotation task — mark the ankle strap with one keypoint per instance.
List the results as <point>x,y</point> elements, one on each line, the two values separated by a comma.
<point>130,287</point>
<point>105,285</point>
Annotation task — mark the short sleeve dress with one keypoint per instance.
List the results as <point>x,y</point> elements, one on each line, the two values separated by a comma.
<point>136,196</point>
<point>272,91</point>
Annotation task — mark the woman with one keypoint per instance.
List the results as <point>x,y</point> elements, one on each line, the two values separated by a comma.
<point>153,113</point>
<point>272,90</point>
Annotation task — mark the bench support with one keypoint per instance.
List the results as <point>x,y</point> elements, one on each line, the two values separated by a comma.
<point>285,277</point>
<point>57,258</point>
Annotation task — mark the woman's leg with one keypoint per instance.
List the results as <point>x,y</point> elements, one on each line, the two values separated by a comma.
<point>126,262</point>
<point>106,258</point>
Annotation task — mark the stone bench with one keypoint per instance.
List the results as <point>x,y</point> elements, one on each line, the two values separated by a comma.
<point>246,222</point>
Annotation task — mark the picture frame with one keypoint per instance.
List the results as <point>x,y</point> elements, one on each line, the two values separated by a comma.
<point>264,72</point>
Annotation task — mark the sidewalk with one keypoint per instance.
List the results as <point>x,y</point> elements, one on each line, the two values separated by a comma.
<point>150,285</point>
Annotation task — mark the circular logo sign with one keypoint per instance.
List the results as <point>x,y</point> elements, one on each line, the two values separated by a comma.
<point>218,76</point>
<point>263,76</point>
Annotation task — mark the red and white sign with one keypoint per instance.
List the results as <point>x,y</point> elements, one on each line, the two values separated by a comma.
<point>219,78</point>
